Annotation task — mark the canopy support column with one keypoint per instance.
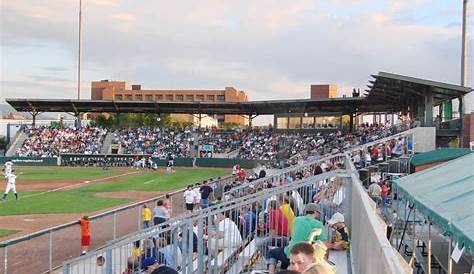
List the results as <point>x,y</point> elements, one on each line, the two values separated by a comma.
<point>251,117</point>
<point>351,122</point>
<point>78,120</point>
<point>461,117</point>
<point>428,108</point>
<point>421,111</point>
<point>33,117</point>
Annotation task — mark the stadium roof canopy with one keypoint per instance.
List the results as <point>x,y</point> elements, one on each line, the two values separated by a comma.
<point>341,105</point>
<point>444,194</point>
<point>404,90</point>
<point>388,93</point>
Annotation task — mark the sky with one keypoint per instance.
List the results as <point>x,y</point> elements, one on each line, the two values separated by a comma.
<point>272,49</point>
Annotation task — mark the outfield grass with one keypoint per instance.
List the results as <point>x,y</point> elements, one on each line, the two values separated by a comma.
<point>56,202</point>
<point>5,232</point>
<point>156,181</point>
<point>29,173</point>
<point>83,199</point>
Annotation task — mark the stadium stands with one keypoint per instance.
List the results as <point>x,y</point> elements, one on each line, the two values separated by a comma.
<point>157,142</point>
<point>47,141</point>
<point>237,234</point>
<point>258,144</point>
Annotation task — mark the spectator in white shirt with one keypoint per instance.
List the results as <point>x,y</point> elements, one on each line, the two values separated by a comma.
<point>189,198</point>
<point>197,198</point>
<point>227,234</point>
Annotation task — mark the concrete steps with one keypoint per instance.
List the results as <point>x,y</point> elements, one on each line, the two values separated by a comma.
<point>16,143</point>
<point>105,149</point>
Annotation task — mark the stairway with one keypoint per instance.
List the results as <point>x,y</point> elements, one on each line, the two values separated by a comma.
<point>105,149</point>
<point>233,154</point>
<point>16,143</point>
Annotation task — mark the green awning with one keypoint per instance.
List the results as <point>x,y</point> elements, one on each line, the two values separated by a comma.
<point>438,155</point>
<point>445,194</point>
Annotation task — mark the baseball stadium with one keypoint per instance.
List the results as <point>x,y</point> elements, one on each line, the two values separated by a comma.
<point>134,180</point>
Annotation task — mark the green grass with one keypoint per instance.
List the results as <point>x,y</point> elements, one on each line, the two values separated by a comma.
<point>56,202</point>
<point>5,232</point>
<point>156,181</point>
<point>63,173</point>
<point>83,199</point>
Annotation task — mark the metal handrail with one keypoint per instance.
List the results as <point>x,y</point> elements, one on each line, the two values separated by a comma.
<point>215,209</point>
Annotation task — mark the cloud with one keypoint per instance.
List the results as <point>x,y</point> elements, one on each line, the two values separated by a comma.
<point>272,49</point>
<point>123,16</point>
<point>54,69</point>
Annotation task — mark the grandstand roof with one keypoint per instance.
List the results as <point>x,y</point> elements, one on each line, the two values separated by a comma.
<point>444,194</point>
<point>387,93</point>
<point>401,90</point>
<point>342,105</point>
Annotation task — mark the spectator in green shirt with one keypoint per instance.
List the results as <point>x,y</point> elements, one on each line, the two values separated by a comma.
<point>303,226</point>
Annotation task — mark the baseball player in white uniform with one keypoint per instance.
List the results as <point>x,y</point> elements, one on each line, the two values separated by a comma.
<point>10,180</point>
<point>8,166</point>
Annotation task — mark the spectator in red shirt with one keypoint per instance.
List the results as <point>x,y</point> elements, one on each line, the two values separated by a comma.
<point>85,234</point>
<point>375,154</point>
<point>241,174</point>
<point>384,193</point>
<point>278,231</point>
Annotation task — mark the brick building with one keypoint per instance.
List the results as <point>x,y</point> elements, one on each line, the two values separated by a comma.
<point>323,91</point>
<point>119,91</point>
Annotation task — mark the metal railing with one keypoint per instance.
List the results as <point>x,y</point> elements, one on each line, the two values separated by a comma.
<point>196,237</point>
<point>369,239</point>
<point>207,254</point>
<point>129,218</point>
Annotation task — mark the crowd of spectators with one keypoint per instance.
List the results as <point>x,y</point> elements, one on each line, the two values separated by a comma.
<point>255,144</point>
<point>293,228</point>
<point>48,141</point>
<point>278,223</point>
<point>265,144</point>
<point>221,141</point>
<point>156,142</point>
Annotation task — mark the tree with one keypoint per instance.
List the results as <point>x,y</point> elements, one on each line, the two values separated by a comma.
<point>132,120</point>
<point>227,125</point>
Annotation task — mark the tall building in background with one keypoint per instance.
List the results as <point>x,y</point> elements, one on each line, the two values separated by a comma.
<point>120,91</point>
<point>323,91</point>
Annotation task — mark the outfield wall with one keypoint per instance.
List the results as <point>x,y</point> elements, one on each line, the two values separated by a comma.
<point>31,161</point>
<point>112,159</point>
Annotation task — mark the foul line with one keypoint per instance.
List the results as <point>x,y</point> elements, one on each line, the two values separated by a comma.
<point>80,184</point>
<point>148,182</point>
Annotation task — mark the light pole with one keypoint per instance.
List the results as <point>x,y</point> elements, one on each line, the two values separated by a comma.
<point>464,68</point>
<point>78,116</point>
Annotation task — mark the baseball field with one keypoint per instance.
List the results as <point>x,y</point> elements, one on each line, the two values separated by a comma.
<point>54,195</point>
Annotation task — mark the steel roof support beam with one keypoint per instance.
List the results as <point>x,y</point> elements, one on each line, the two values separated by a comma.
<point>33,116</point>
<point>428,108</point>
